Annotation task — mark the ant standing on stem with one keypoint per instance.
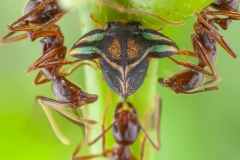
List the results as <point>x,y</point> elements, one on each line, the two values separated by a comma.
<point>38,21</point>
<point>126,128</point>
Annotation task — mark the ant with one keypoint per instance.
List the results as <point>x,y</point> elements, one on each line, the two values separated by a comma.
<point>126,128</point>
<point>68,94</point>
<point>204,44</point>
<point>38,20</point>
<point>42,15</point>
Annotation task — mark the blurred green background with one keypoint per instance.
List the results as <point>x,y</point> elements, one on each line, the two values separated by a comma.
<point>193,127</point>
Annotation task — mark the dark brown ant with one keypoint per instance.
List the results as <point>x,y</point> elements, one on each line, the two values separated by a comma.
<point>38,19</point>
<point>68,94</point>
<point>126,128</point>
<point>204,44</point>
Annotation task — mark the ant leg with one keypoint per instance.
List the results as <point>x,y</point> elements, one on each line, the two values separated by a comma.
<point>128,10</point>
<point>49,23</point>
<point>104,152</point>
<point>60,136</point>
<point>45,33</point>
<point>57,63</point>
<point>26,27</point>
<point>187,53</point>
<point>6,38</point>
<point>103,125</point>
<point>156,124</point>
<point>59,106</point>
<point>212,80</point>
<point>146,116</point>
<point>62,62</point>
<point>34,11</point>
<point>230,14</point>
<point>222,42</point>
<point>100,26</point>
<point>37,80</point>
<point>29,69</point>
<point>143,147</point>
<point>70,71</point>
<point>104,120</point>
<point>78,148</point>
<point>202,90</point>
<point>216,35</point>
<point>41,62</point>
<point>203,56</point>
<point>87,127</point>
<point>191,66</point>
<point>49,55</point>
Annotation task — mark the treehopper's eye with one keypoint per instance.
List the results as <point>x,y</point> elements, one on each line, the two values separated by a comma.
<point>107,26</point>
<point>139,26</point>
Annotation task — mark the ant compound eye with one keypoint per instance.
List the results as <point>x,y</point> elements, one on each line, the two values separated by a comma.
<point>115,129</point>
<point>66,93</point>
<point>107,26</point>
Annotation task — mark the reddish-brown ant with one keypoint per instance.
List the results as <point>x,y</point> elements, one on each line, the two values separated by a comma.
<point>204,44</point>
<point>38,22</point>
<point>126,128</point>
<point>38,19</point>
<point>68,94</point>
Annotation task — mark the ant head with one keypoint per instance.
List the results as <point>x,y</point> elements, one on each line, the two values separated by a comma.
<point>67,91</point>
<point>127,27</point>
<point>126,127</point>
